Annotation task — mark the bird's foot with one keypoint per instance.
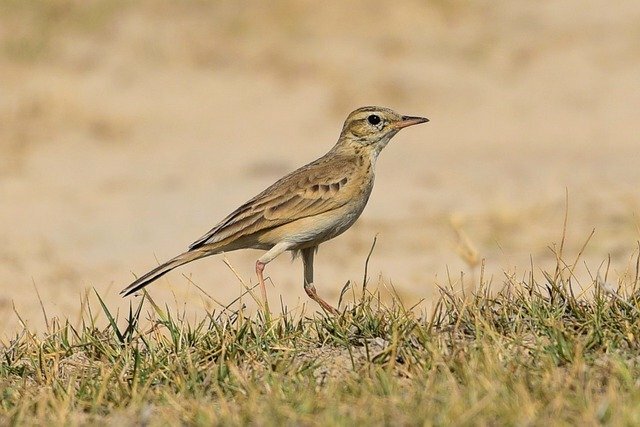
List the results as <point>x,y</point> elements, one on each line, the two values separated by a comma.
<point>313,294</point>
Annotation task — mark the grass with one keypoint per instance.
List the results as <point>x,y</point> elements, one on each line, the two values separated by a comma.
<point>532,352</point>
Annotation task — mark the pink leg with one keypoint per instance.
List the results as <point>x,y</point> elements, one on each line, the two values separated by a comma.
<point>307,260</point>
<point>264,260</point>
<point>311,291</point>
<point>263,288</point>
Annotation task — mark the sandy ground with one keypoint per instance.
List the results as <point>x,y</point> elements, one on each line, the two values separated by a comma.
<point>128,130</point>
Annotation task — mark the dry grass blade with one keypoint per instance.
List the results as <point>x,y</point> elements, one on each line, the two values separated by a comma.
<point>365,277</point>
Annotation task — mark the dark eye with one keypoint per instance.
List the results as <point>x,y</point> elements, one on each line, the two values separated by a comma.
<point>373,119</point>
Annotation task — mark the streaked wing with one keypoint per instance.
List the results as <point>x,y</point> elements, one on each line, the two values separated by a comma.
<point>311,190</point>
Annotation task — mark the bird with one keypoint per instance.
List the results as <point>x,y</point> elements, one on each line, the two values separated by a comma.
<point>305,208</point>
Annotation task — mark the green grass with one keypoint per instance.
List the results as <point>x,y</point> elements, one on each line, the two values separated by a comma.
<point>529,353</point>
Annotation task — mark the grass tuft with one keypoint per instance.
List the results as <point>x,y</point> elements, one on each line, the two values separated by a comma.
<point>530,352</point>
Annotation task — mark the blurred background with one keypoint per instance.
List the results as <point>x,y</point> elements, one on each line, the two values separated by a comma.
<point>129,129</point>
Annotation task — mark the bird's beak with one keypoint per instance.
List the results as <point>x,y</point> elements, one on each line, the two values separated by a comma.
<point>409,121</point>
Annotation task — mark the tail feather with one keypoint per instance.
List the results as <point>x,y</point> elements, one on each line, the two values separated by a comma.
<point>163,269</point>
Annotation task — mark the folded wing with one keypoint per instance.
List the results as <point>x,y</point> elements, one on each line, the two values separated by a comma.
<point>316,188</point>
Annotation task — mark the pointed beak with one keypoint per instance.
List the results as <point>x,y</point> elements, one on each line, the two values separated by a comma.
<point>410,121</point>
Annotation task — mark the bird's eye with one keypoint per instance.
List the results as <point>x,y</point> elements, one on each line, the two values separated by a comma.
<point>373,119</point>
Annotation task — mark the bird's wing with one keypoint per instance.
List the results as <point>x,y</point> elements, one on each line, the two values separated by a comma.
<point>313,189</point>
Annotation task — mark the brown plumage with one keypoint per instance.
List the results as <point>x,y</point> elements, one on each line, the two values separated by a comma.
<point>305,208</point>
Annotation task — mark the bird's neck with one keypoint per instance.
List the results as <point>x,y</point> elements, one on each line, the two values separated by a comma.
<point>360,152</point>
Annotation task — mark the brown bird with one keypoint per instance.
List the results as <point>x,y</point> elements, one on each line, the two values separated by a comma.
<point>309,206</point>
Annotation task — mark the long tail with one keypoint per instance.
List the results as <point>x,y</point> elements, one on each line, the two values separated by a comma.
<point>163,269</point>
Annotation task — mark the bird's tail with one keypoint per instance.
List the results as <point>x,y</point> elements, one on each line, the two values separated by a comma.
<point>163,269</point>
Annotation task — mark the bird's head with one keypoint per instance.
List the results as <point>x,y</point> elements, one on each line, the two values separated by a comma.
<point>373,127</point>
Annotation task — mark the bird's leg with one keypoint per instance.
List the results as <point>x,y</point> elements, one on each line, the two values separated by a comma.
<point>262,262</point>
<point>307,260</point>
<point>263,288</point>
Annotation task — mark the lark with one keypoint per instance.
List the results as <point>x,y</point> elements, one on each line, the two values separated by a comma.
<point>309,206</point>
